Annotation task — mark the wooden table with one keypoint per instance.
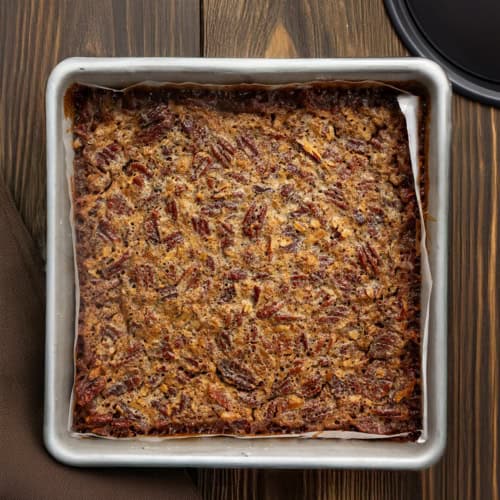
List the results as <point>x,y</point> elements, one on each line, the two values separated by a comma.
<point>35,35</point>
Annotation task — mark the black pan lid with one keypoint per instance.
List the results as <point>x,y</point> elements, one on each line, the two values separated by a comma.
<point>463,36</point>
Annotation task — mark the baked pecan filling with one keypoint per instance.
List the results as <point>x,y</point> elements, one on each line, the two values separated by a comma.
<point>247,262</point>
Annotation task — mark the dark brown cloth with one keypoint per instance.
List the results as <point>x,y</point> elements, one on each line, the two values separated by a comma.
<point>26,469</point>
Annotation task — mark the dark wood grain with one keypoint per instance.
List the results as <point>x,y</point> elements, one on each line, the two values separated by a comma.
<point>35,36</point>
<point>298,28</point>
<point>470,467</point>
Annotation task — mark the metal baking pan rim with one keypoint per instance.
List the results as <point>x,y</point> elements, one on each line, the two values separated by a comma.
<point>290,453</point>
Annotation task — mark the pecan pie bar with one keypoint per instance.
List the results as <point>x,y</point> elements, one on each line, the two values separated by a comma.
<point>247,262</point>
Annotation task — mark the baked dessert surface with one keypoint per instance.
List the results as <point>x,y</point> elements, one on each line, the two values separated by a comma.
<point>247,262</point>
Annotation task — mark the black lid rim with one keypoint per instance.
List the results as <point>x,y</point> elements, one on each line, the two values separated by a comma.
<point>416,42</point>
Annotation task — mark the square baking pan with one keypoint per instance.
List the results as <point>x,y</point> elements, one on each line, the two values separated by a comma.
<point>227,451</point>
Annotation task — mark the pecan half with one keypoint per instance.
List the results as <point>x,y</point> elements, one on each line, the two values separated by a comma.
<point>236,374</point>
<point>247,144</point>
<point>201,226</point>
<point>118,205</point>
<point>151,227</point>
<point>336,196</point>
<point>270,310</point>
<point>171,208</point>
<point>254,220</point>
<point>105,231</point>
<point>173,239</point>
<point>368,258</point>
<point>86,390</point>
<point>115,267</point>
